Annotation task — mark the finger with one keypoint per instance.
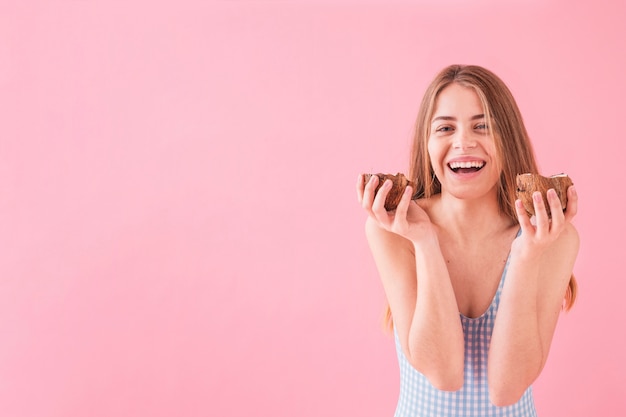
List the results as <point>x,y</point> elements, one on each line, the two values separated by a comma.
<point>572,204</point>
<point>368,193</point>
<point>378,207</point>
<point>556,209</point>
<point>403,205</point>
<point>360,188</point>
<point>522,216</point>
<point>541,214</point>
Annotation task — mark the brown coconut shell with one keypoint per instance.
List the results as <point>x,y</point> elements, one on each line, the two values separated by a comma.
<point>527,184</point>
<point>400,182</point>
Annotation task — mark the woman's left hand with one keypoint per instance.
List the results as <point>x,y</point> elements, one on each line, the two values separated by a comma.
<point>535,238</point>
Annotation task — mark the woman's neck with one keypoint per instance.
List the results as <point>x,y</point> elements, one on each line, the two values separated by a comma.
<point>469,220</point>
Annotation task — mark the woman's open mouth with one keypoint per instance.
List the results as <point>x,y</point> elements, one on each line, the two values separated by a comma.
<point>466,167</point>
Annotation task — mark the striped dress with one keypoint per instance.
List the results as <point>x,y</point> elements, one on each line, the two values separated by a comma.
<point>418,398</point>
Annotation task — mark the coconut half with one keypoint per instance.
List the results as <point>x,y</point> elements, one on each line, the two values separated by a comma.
<point>400,182</point>
<point>527,184</point>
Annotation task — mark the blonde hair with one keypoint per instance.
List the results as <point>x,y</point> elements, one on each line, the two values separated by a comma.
<point>513,144</point>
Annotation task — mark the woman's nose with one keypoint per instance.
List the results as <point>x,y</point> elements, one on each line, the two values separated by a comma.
<point>463,140</point>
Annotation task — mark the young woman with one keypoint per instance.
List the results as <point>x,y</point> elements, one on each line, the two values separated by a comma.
<point>475,287</point>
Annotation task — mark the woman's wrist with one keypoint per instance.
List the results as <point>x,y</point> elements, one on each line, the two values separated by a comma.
<point>426,241</point>
<point>525,254</point>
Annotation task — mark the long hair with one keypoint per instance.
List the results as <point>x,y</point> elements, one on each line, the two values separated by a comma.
<point>512,142</point>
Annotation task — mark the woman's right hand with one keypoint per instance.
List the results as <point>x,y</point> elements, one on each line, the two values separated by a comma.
<point>408,220</point>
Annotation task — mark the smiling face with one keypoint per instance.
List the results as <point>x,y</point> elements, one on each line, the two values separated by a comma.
<point>461,145</point>
<point>514,151</point>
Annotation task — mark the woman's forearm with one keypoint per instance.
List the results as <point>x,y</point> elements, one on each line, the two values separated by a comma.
<point>516,353</point>
<point>436,342</point>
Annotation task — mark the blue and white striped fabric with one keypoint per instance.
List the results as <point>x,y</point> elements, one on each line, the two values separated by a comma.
<point>418,398</point>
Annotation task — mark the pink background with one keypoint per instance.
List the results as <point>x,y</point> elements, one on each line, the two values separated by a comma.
<point>178,225</point>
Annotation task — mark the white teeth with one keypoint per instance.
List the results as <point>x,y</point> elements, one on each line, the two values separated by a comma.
<point>467,164</point>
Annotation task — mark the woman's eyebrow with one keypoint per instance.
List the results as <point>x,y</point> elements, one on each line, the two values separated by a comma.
<point>446,118</point>
<point>443,118</point>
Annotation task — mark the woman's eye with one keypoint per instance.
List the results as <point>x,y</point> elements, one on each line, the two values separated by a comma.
<point>481,126</point>
<point>444,129</point>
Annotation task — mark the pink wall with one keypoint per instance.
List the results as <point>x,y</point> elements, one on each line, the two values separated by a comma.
<point>179,230</point>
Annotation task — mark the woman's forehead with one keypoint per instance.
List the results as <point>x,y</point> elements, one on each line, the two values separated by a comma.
<point>457,102</point>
